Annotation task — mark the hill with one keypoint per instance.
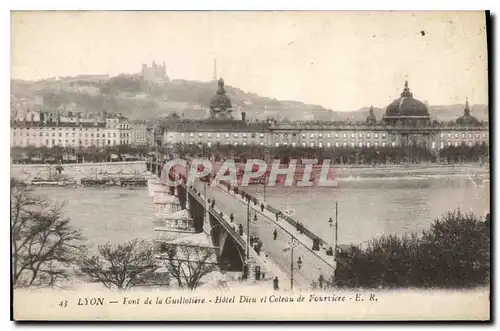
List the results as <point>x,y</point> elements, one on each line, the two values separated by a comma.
<point>138,99</point>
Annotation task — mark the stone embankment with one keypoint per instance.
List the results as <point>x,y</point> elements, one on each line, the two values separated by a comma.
<point>77,171</point>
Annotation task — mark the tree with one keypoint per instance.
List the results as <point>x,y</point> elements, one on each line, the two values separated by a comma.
<point>188,264</point>
<point>44,244</point>
<point>121,266</point>
<point>456,250</point>
<point>453,253</point>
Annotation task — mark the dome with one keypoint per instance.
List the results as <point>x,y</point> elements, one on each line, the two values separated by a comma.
<point>407,106</point>
<point>220,101</point>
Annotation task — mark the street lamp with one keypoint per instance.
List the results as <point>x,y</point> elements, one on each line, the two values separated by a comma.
<point>266,156</point>
<point>293,243</point>
<point>335,234</point>
<point>248,230</point>
<point>205,203</point>
<point>265,184</point>
<point>336,230</point>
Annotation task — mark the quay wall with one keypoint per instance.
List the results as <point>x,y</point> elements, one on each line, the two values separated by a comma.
<point>77,171</point>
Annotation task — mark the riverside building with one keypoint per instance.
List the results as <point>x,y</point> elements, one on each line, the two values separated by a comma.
<point>405,123</point>
<point>69,129</point>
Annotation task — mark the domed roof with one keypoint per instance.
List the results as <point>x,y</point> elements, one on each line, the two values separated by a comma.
<point>467,118</point>
<point>407,106</point>
<point>220,100</point>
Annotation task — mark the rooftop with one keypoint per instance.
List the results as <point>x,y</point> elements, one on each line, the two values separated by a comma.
<point>38,124</point>
<point>214,125</point>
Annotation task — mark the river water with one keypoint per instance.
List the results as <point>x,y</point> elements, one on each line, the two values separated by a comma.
<point>368,207</point>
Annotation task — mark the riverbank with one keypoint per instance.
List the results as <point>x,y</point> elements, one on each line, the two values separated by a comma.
<point>432,169</point>
<point>77,171</point>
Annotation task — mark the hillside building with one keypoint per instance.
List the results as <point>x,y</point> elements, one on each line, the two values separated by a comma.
<point>155,73</point>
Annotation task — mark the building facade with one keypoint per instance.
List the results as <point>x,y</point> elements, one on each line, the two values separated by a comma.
<point>155,72</point>
<point>139,134</point>
<point>70,130</point>
<point>406,123</point>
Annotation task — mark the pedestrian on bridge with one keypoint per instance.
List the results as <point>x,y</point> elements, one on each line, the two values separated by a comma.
<point>275,234</point>
<point>231,217</point>
<point>299,263</point>
<point>276,283</point>
<point>240,230</point>
<point>301,228</point>
<point>330,221</point>
<point>262,207</point>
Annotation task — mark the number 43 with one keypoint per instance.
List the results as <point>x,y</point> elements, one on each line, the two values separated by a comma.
<point>63,303</point>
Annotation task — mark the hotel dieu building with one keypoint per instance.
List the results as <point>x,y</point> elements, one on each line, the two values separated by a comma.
<point>67,129</point>
<point>406,122</point>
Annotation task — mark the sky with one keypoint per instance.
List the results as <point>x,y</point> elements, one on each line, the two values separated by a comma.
<point>339,60</point>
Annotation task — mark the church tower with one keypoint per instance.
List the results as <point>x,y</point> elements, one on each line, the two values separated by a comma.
<point>371,119</point>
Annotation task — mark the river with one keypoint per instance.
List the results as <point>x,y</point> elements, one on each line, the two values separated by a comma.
<point>368,207</point>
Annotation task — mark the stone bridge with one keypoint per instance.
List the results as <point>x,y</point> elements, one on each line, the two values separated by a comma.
<point>252,218</point>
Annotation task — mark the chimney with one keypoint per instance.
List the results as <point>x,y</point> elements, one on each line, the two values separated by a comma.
<point>243,116</point>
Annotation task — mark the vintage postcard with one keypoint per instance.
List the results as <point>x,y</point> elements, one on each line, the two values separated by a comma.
<point>258,165</point>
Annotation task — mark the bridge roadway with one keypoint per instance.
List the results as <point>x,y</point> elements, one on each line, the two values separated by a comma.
<point>263,260</point>
<point>279,250</point>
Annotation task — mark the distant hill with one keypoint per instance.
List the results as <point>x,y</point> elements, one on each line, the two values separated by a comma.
<point>137,99</point>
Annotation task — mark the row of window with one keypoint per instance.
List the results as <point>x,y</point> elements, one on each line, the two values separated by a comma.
<point>219,135</point>
<point>59,128</point>
<point>468,135</point>
<point>124,127</point>
<point>457,143</point>
<point>321,135</point>
<point>343,144</point>
<point>320,144</point>
<point>67,134</point>
<point>49,142</point>
<point>330,135</point>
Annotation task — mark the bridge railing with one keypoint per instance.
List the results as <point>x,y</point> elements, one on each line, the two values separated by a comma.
<point>287,218</point>
<point>228,227</point>
<point>220,219</point>
<point>294,223</point>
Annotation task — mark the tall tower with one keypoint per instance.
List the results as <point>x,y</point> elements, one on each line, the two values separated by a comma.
<point>214,79</point>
